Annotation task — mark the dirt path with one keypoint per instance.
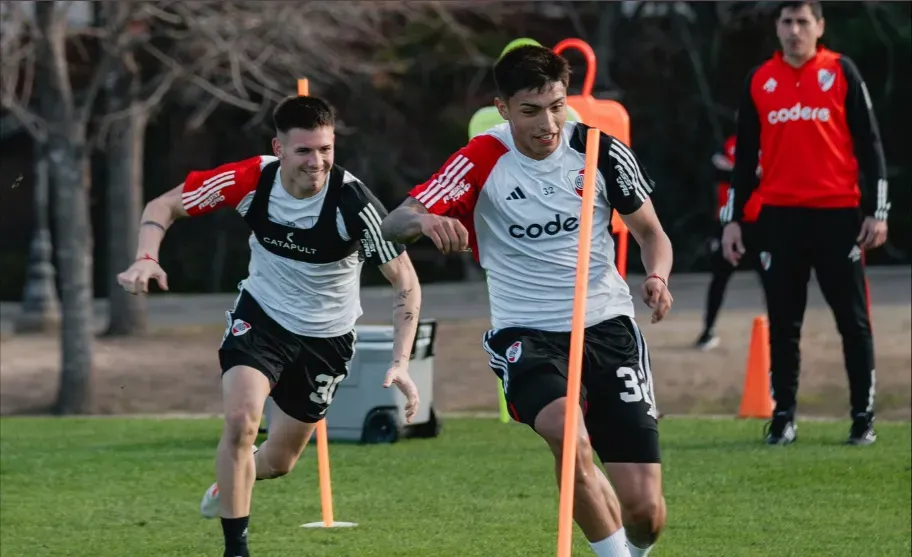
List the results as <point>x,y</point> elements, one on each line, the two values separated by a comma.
<point>178,371</point>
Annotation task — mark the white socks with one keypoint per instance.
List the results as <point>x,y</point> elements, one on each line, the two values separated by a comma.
<point>636,551</point>
<point>614,545</point>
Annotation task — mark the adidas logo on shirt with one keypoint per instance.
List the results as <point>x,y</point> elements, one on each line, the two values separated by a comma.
<point>516,194</point>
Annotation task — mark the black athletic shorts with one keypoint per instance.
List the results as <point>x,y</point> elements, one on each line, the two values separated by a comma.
<point>303,371</point>
<point>616,391</point>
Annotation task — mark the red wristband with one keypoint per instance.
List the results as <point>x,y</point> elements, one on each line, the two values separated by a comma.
<point>149,257</point>
<point>657,277</point>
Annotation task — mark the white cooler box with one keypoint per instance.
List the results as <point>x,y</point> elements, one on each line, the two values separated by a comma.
<point>362,410</point>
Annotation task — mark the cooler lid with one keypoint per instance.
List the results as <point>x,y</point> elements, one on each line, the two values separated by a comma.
<point>374,333</point>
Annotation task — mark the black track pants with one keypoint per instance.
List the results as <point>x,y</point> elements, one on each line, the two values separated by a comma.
<point>722,272</point>
<point>795,241</point>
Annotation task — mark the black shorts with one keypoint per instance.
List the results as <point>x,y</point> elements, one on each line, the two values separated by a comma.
<point>303,371</point>
<point>616,391</point>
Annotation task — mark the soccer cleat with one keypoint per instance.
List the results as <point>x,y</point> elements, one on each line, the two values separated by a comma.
<point>862,431</point>
<point>707,341</point>
<point>781,430</point>
<point>209,506</point>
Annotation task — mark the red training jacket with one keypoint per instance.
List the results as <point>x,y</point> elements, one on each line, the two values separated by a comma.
<point>814,129</point>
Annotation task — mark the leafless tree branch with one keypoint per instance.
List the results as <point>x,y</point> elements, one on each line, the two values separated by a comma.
<point>198,118</point>
<point>36,126</point>
<point>114,44</point>
<point>146,105</point>
<point>17,70</point>
<point>233,52</point>
<point>53,18</point>
<point>155,98</point>
<point>200,81</point>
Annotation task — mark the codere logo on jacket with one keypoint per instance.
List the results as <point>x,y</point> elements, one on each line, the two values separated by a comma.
<point>798,112</point>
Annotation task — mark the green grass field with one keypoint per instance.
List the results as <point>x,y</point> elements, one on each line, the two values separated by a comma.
<point>131,487</point>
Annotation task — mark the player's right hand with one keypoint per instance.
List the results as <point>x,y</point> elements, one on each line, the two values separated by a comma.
<point>732,246</point>
<point>398,375</point>
<point>136,279</point>
<point>657,297</point>
<point>448,234</point>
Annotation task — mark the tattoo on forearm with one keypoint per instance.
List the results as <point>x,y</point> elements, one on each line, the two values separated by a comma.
<point>405,315</point>
<point>402,226</point>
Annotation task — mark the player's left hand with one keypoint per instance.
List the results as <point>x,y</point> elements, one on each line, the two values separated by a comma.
<point>657,297</point>
<point>398,375</point>
<point>873,233</point>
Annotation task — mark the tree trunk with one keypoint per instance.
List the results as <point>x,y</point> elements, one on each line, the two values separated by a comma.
<point>40,304</point>
<point>40,307</point>
<point>127,313</point>
<point>69,168</point>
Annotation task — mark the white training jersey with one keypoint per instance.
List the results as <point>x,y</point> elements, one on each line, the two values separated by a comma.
<point>523,218</point>
<point>310,299</point>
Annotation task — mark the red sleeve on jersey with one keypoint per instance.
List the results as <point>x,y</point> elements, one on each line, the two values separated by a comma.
<point>753,207</point>
<point>226,185</point>
<point>454,189</point>
<point>722,192</point>
<point>729,149</point>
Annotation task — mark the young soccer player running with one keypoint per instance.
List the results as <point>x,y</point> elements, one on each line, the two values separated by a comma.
<point>513,195</point>
<point>291,332</point>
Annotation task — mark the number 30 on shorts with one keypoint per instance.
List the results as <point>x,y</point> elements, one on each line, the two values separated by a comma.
<point>635,390</point>
<point>326,388</point>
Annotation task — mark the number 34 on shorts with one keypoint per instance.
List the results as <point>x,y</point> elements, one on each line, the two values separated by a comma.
<point>638,387</point>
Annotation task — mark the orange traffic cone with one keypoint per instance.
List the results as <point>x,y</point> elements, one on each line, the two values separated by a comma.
<point>756,400</point>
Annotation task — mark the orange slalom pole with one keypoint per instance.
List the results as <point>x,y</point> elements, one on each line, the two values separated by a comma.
<point>323,465</point>
<point>322,436</point>
<point>577,334</point>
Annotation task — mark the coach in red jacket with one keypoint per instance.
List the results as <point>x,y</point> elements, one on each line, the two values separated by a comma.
<point>808,112</point>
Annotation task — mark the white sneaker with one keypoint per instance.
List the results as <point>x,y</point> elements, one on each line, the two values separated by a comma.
<point>209,506</point>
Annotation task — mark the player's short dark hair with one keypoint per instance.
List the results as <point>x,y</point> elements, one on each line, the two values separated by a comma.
<point>307,113</point>
<point>816,8</point>
<point>529,67</point>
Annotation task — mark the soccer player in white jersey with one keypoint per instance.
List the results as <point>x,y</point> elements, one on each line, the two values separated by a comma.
<point>291,332</point>
<point>513,195</point>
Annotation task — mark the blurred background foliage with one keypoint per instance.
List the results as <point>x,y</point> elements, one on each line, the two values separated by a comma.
<point>406,85</point>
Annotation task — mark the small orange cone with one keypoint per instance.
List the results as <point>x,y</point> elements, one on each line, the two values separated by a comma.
<point>756,400</point>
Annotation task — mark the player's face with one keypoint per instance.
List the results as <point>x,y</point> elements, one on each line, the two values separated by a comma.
<point>306,155</point>
<point>798,31</point>
<point>536,119</point>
